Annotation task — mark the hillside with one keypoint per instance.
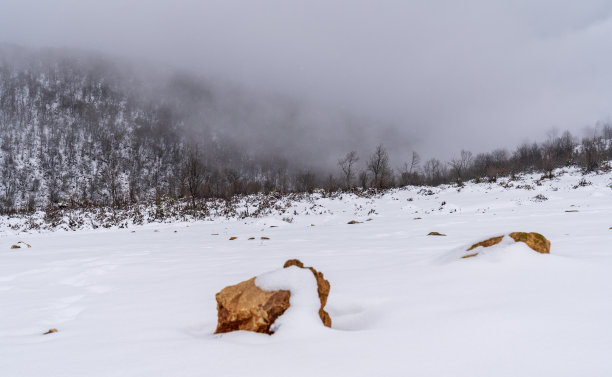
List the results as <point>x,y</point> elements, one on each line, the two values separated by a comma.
<point>84,130</point>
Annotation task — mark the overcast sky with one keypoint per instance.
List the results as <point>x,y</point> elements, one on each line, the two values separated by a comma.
<point>446,75</point>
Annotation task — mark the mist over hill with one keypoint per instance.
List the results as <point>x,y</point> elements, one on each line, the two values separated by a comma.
<point>80,129</point>
<point>77,126</point>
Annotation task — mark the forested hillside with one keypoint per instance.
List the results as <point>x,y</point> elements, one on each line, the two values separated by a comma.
<point>77,130</point>
<point>80,131</point>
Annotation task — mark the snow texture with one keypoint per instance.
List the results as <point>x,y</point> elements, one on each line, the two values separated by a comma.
<point>302,317</point>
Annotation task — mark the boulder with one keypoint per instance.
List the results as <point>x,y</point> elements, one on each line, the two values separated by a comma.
<point>435,234</point>
<point>535,241</point>
<point>245,306</point>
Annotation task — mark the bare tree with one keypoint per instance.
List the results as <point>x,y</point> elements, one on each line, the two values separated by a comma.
<point>193,173</point>
<point>461,164</point>
<point>347,165</point>
<point>434,171</point>
<point>306,181</point>
<point>414,163</point>
<point>363,179</point>
<point>378,164</point>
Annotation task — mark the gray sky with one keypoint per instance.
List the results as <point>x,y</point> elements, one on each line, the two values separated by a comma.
<point>440,75</point>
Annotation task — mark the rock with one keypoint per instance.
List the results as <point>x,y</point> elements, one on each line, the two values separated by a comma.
<point>265,238</point>
<point>233,238</point>
<point>51,331</point>
<point>245,306</point>
<point>436,234</point>
<point>486,243</point>
<point>535,241</point>
<point>571,210</point>
<point>323,288</point>
<point>353,222</point>
<point>15,247</point>
<point>251,238</point>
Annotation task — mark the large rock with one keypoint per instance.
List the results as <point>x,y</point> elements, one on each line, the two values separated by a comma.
<point>535,241</point>
<point>245,306</point>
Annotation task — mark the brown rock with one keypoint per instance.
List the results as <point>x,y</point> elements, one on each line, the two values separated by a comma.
<point>352,222</point>
<point>265,238</point>
<point>436,234</point>
<point>51,331</point>
<point>245,306</point>
<point>486,243</point>
<point>233,238</point>
<point>15,247</point>
<point>535,241</point>
<point>323,288</point>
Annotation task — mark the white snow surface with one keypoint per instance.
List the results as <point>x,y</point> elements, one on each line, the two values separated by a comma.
<point>302,317</point>
<point>141,301</point>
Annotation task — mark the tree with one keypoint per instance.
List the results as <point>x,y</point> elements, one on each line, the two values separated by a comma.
<point>347,165</point>
<point>434,171</point>
<point>306,181</point>
<point>414,163</point>
<point>461,164</point>
<point>591,152</point>
<point>193,172</point>
<point>363,179</point>
<point>378,165</point>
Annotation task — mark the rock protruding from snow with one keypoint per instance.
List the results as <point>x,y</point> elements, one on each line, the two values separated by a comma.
<point>245,306</point>
<point>323,288</point>
<point>255,304</point>
<point>535,241</point>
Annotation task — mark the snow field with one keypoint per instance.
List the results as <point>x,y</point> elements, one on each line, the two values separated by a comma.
<point>142,303</point>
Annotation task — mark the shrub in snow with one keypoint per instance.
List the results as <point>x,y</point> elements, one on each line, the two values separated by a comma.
<point>582,183</point>
<point>539,198</point>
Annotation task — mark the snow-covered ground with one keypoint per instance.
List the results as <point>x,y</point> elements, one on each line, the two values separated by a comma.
<point>141,301</point>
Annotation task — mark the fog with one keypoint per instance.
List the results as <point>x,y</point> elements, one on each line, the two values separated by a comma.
<point>431,76</point>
